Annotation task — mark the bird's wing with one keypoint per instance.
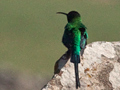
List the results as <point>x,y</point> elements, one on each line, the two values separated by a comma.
<point>75,58</point>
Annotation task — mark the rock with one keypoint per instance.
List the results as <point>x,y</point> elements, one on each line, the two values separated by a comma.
<point>99,69</point>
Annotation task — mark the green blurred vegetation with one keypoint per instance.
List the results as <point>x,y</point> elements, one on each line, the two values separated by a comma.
<point>31,31</point>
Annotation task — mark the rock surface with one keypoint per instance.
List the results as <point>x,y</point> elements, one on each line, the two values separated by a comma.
<point>99,69</point>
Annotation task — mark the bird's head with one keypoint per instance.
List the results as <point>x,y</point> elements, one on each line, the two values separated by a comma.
<point>71,16</point>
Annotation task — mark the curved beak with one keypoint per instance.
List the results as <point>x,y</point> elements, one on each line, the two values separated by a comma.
<point>61,13</point>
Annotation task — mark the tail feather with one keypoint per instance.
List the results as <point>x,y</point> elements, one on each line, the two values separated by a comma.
<point>76,59</point>
<point>77,75</point>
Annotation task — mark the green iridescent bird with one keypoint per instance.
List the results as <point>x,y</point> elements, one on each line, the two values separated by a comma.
<point>75,39</point>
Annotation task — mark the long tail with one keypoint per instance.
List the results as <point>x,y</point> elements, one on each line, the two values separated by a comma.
<point>76,59</point>
<point>77,75</point>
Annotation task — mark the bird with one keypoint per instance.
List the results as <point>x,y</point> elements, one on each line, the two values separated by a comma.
<point>75,39</point>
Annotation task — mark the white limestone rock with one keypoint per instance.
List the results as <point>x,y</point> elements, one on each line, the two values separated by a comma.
<point>98,70</point>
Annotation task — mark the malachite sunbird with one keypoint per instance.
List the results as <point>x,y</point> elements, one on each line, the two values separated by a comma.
<point>75,39</point>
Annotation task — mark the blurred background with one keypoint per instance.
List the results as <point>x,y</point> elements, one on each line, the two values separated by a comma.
<point>31,33</point>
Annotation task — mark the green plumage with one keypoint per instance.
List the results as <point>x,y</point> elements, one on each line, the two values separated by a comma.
<point>75,39</point>
<point>72,37</point>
